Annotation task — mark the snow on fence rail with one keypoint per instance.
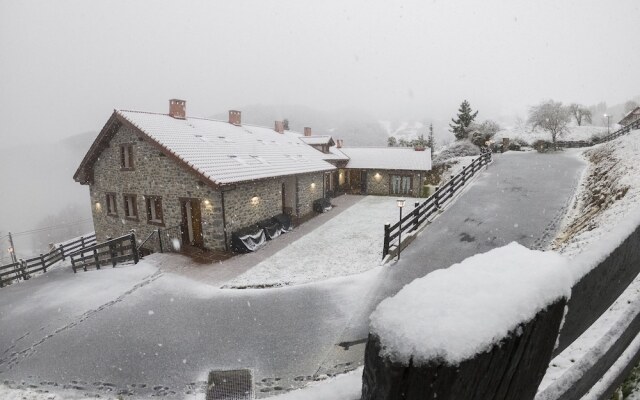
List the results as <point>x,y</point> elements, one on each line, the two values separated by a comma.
<point>431,205</point>
<point>481,329</point>
<point>111,252</point>
<point>23,269</point>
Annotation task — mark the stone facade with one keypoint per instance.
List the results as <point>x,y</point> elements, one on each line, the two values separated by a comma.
<point>379,181</point>
<point>155,174</point>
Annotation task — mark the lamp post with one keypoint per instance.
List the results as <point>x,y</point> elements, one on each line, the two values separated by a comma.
<point>400,203</point>
<point>607,116</point>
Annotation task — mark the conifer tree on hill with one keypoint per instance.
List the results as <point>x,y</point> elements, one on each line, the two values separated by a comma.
<point>461,124</point>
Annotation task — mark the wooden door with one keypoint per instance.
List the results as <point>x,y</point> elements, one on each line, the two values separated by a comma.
<point>192,222</point>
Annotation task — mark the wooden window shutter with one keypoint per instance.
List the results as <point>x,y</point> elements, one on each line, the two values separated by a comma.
<point>158,204</point>
<point>130,156</point>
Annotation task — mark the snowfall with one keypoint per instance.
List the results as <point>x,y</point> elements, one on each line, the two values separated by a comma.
<point>579,247</point>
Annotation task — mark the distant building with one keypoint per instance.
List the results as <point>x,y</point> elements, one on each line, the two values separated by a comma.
<point>631,117</point>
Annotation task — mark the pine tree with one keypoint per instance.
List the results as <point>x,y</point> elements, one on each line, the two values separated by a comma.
<point>465,118</point>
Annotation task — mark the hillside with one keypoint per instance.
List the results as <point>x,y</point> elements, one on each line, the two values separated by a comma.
<point>39,184</point>
<point>525,133</point>
<point>354,127</point>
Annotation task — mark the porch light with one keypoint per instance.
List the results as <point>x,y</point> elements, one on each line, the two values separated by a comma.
<point>207,203</point>
<point>255,200</point>
<point>98,206</point>
<point>313,185</point>
<point>377,176</point>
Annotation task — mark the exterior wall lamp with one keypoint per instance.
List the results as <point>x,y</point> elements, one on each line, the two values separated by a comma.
<point>255,200</point>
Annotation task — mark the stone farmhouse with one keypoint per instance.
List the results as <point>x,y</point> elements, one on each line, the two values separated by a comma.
<point>148,170</point>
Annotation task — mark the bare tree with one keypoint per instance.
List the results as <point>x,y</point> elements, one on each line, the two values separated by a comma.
<point>580,113</point>
<point>552,117</point>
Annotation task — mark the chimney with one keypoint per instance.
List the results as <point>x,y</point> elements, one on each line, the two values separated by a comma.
<point>279,127</point>
<point>339,143</point>
<point>177,108</point>
<point>235,117</point>
<point>307,131</point>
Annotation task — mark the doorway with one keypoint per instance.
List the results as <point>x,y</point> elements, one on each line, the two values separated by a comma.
<point>191,222</point>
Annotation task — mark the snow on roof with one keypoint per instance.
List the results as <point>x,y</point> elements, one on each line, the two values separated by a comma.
<point>324,139</point>
<point>226,153</point>
<point>398,158</point>
<point>454,313</point>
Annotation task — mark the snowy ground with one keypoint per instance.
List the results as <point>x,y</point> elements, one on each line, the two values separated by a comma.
<point>348,244</point>
<point>574,133</point>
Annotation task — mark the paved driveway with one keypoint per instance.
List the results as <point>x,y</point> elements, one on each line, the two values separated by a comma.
<point>142,331</point>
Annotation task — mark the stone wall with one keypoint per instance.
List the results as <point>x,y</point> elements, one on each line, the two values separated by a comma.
<point>310,188</point>
<point>252,202</point>
<point>379,182</point>
<point>154,174</point>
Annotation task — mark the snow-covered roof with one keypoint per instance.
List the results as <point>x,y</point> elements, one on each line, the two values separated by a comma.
<point>225,153</point>
<point>630,116</point>
<point>316,140</point>
<point>390,158</point>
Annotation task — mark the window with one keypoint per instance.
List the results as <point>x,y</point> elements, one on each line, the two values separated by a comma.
<point>154,210</point>
<point>126,157</point>
<point>400,184</point>
<point>130,206</point>
<point>111,204</point>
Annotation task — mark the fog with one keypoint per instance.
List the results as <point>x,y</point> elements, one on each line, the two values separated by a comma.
<point>65,65</point>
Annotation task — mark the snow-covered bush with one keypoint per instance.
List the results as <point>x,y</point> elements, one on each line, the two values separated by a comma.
<point>460,148</point>
<point>517,144</point>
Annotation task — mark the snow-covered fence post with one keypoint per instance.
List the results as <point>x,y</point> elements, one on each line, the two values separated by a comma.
<point>61,249</point>
<point>481,329</point>
<point>416,211</point>
<point>44,266</point>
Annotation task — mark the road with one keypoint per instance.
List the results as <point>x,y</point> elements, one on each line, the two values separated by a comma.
<point>135,330</point>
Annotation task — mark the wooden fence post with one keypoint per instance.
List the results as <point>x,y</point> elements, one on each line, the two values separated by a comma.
<point>61,249</point>
<point>82,242</point>
<point>134,249</point>
<point>416,210</point>
<point>23,270</point>
<point>160,240</point>
<point>113,254</point>
<point>385,246</point>
<point>96,258</point>
<point>44,266</point>
<point>511,370</point>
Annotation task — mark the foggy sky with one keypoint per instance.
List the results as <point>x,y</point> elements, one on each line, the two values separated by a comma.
<point>65,65</point>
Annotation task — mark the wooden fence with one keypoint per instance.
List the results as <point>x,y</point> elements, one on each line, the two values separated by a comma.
<point>429,207</point>
<point>23,269</point>
<point>106,253</point>
<point>588,143</point>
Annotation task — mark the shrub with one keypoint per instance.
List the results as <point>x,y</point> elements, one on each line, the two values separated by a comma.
<point>542,145</point>
<point>517,144</point>
<point>460,148</point>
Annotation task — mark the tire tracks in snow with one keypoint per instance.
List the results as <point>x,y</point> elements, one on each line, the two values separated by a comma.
<point>9,362</point>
